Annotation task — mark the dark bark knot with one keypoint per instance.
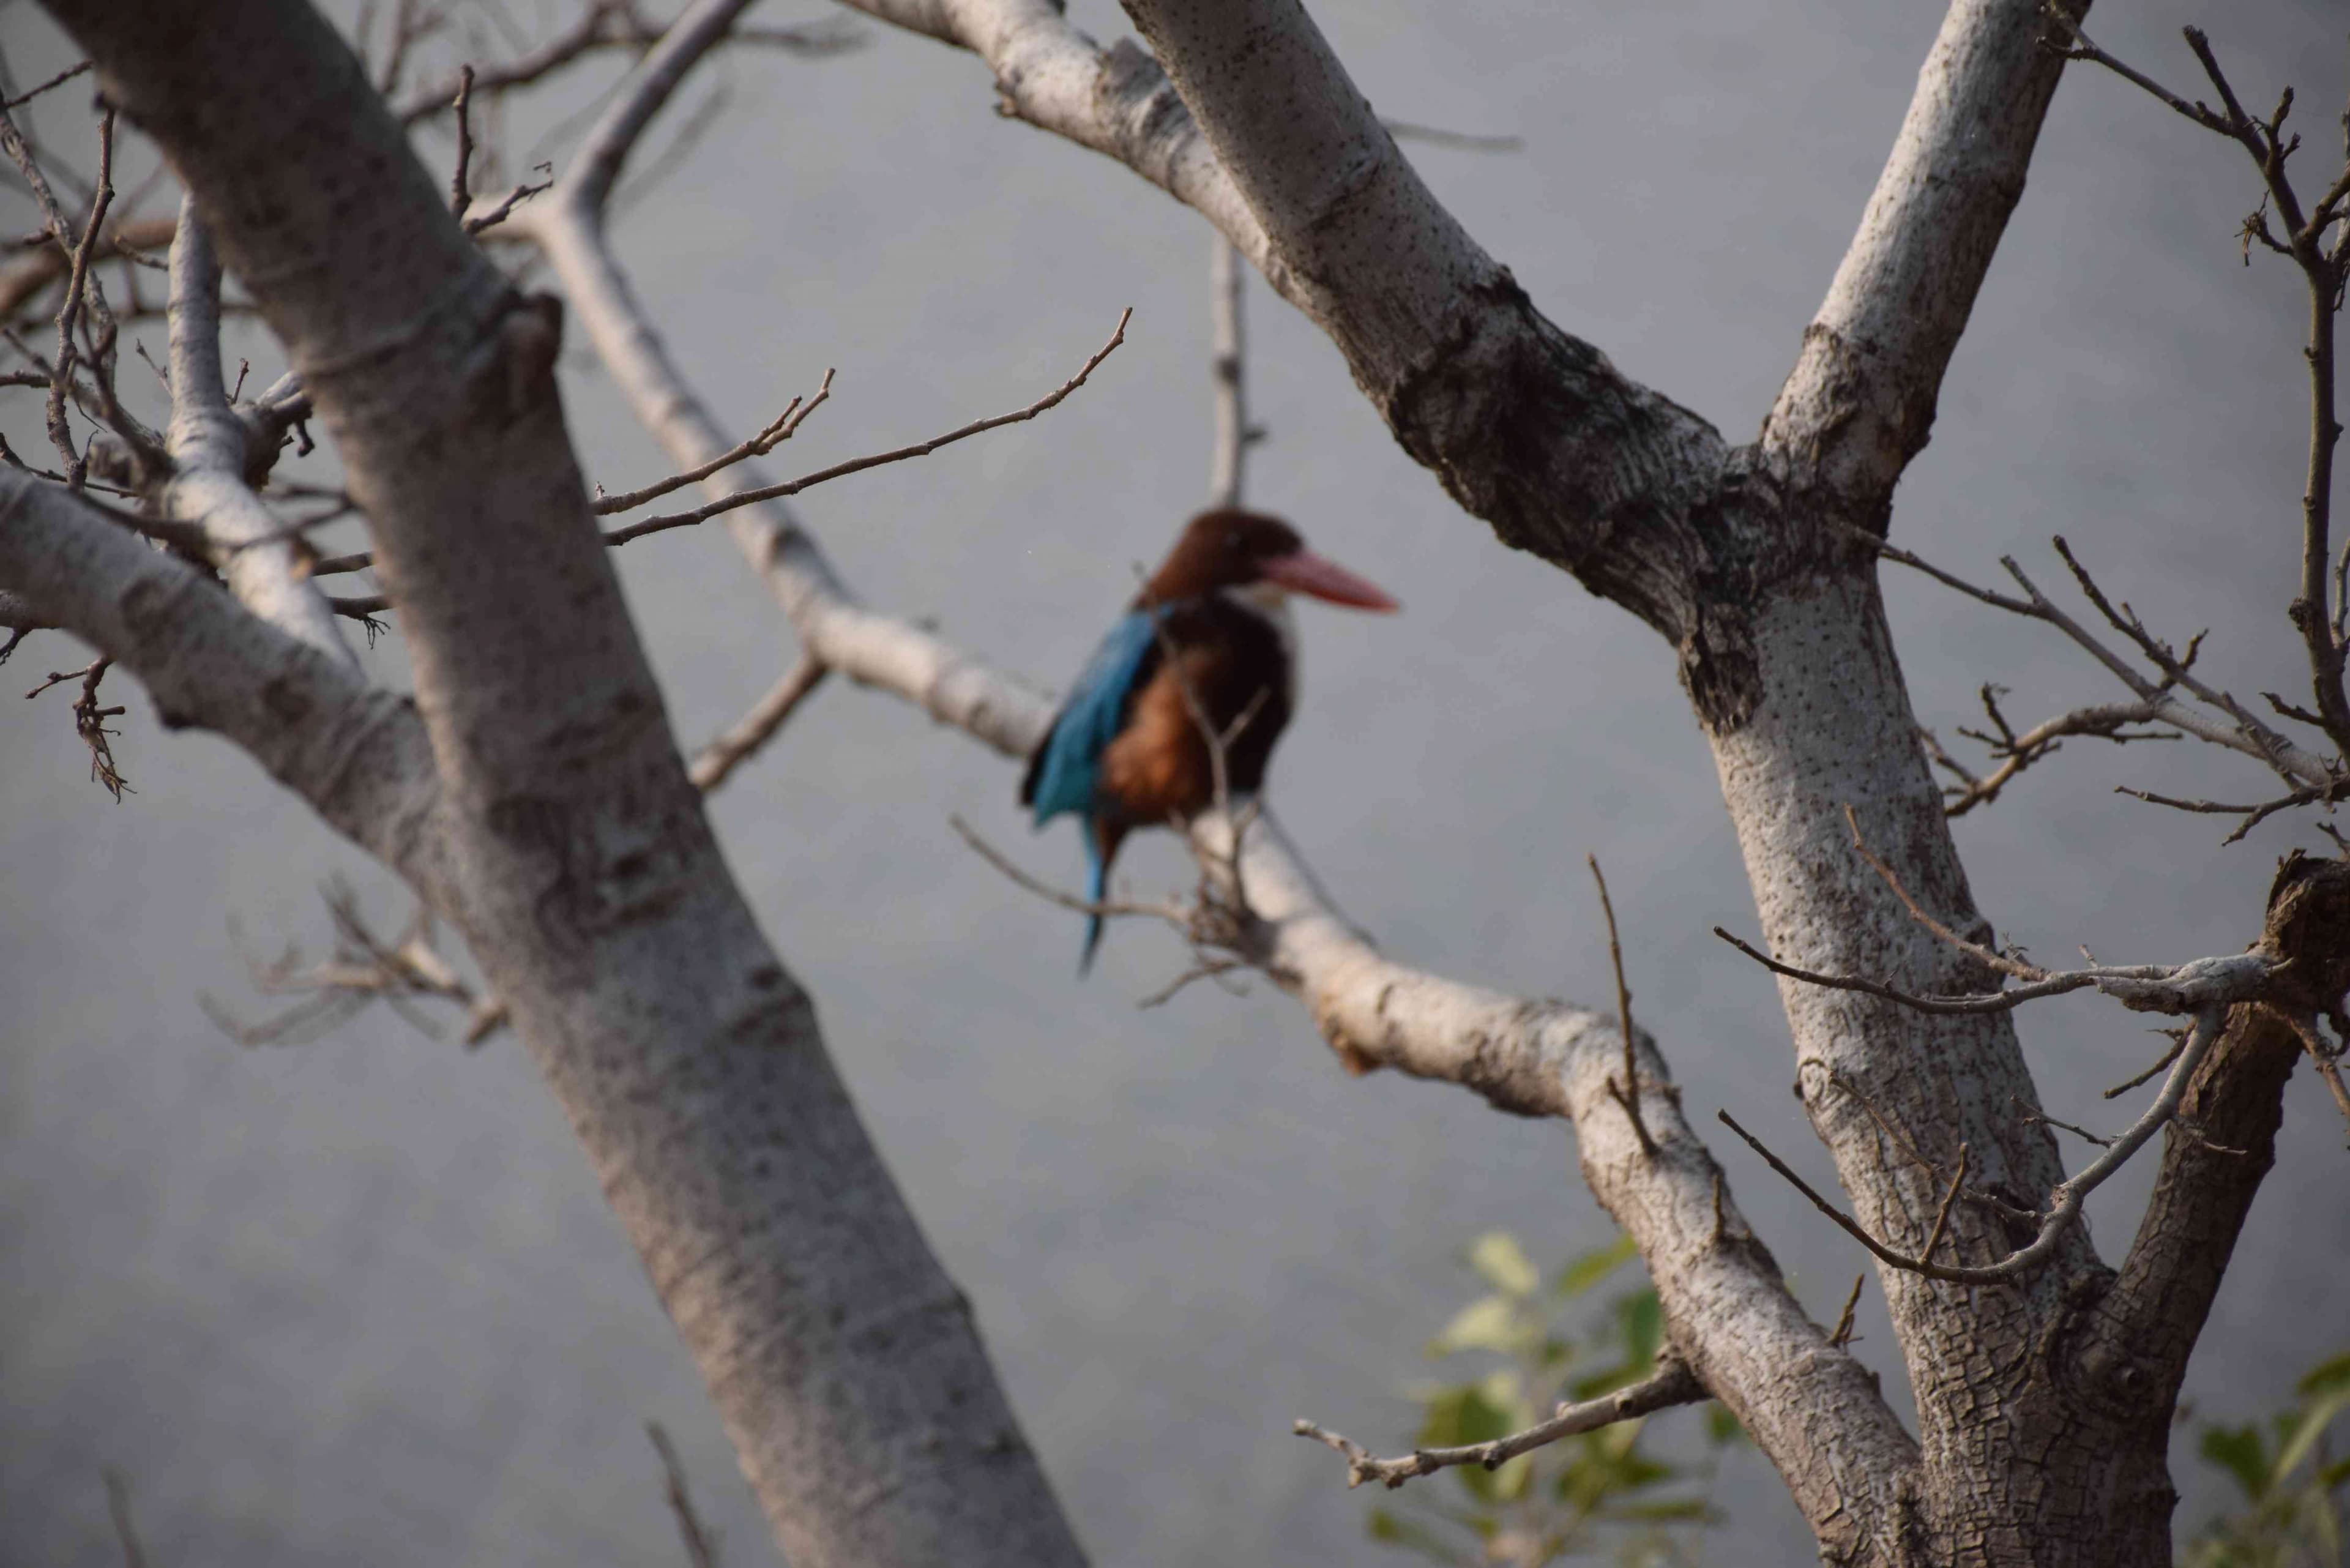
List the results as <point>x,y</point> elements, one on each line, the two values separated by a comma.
<point>530,337</point>
<point>2308,927</point>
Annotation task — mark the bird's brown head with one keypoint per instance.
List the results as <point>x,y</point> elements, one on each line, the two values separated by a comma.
<point>1234,549</point>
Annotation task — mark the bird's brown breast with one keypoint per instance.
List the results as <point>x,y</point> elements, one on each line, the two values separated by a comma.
<point>1162,765</point>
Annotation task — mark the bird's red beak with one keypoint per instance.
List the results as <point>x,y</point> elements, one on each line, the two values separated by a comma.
<point>1305,572</point>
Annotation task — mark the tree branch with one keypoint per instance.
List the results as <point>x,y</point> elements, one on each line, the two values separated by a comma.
<point>2146,1325</point>
<point>725,503</point>
<point>261,564</point>
<point>716,762</point>
<point>356,754</point>
<point>1861,400</point>
<point>1228,364</point>
<point>1671,1384</point>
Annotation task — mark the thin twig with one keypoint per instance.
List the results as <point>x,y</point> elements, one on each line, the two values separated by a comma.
<point>1991,1002</point>
<point>492,217</point>
<point>1629,1094</point>
<point>2064,1206</point>
<point>118,1508</point>
<point>2036,1118</point>
<point>63,77</point>
<point>1996,960</point>
<point>2178,1038</point>
<point>857,465</point>
<point>364,968</point>
<point>1171,913</point>
<point>1436,136</point>
<point>1942,1215</point>
<point>1671,1384</point>
<point>2243,732</point>
<point>460,195</point>
<point>1227,366</point>
<point>1842,1335</point>
<point>717,761</point>
<point>701,1541</point>
<point>78,282</point>
<point>780,430</point>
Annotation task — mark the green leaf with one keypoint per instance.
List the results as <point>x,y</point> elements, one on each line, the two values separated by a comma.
<point>1398,1532</point>
<point>1502,1264</point>
<point>1589,1269</point>
<point>1642,1318</point>
<point>1489,1322</point>
<point>1605,1381</point>
<point>2240,1451</point>
<point>2311,1427</point>
<point>1477,1413</point>
<point>2326,1377</point>
<point>1688,1509</point>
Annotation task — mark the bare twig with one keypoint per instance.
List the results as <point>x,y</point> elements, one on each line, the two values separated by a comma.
<point>2064,1202</point>
<point>2035,1118</point>
<point>1996,960</point>
<point>118,1508</point>
<point>2016,752</point>
<point>1841,1335</point>
<point>1942,1215</point>
<point>63,77</point>
<point>1671,1384</point>
<point>2178,1038</point>
<point>2232,725</point>
<point>1462,141</point>
<point>69,314</point>
<point>2324,1059</point>
<point>780,430</point>
<point>614,25</point>
<point>857,465</point>
<point>1993,1001</point>
<point>364,968</point>
<point>701,1541</point>
<point>1627,1093</point>
<point>717,761</point>
<point>1228,366</point>
<point>2252,815</point>
<point>1173,913</point>
<point>89,719</point>
<point>490,218</point>
<point>460,195</point>
<point>2320,624</point>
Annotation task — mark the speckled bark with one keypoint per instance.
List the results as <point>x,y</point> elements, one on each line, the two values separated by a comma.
<point>577,859</point>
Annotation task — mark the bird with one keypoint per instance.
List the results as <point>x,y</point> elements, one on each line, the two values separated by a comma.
<point>1206,644</point>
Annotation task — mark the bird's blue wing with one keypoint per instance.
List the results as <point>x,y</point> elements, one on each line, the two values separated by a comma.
<point>1063,775</point>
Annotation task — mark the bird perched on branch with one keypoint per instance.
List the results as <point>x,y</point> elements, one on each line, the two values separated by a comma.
<point>1204,660</point>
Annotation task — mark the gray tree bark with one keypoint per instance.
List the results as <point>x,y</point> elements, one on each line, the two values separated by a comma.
<point>562,838</point>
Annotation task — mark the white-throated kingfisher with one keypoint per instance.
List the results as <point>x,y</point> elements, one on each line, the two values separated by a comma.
<point>1127,749</point>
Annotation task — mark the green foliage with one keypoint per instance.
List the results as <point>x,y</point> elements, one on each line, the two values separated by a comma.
<point>2294,1481</point>
<point>1599,1492</point>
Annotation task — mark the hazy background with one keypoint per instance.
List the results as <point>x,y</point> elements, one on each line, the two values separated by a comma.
<point>360,1300</point>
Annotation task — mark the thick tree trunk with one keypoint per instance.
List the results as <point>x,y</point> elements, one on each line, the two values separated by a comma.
<point>574,853</point>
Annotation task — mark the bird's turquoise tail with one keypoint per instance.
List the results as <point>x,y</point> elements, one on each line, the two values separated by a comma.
<point>1097,889</point>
